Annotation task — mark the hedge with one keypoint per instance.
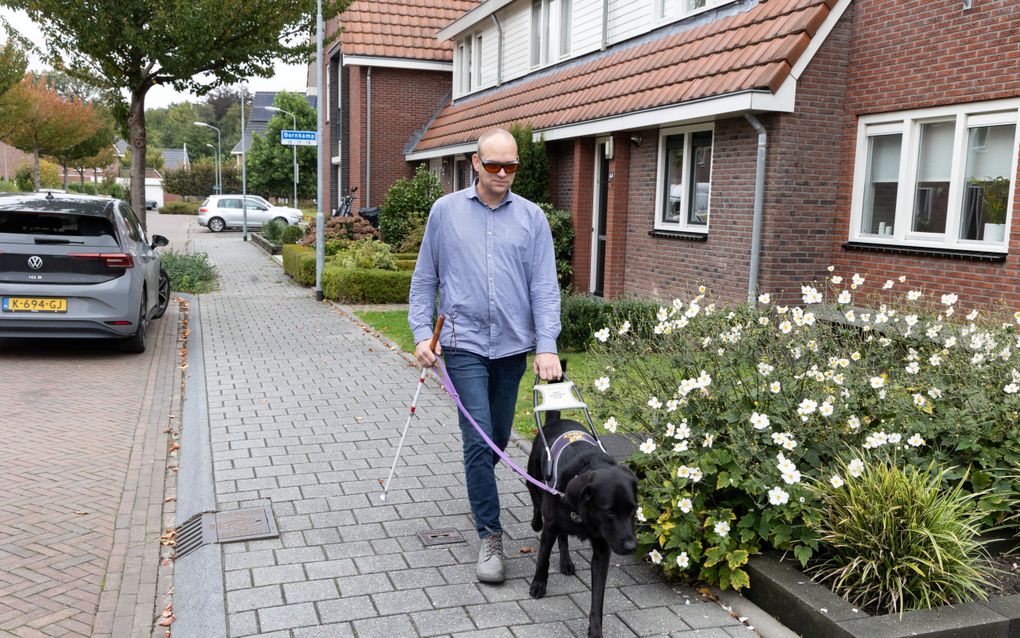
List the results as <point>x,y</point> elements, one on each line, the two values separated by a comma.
<point>179,208</point>
<point>299,263</point>
<point>582,315</point>
<point>359,285</point>
<point>405,256</point>
<point>406,264</point>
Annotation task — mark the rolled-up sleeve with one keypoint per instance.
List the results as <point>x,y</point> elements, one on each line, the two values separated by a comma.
<point>545,291</point>
<point>425,281</point>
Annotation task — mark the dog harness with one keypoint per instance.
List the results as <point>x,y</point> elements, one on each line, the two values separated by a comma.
<point>556,450</point>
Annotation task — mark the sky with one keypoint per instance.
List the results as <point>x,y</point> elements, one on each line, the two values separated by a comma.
<point>289,77</point>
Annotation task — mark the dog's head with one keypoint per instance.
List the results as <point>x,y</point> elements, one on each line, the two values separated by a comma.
<point>606,500</point>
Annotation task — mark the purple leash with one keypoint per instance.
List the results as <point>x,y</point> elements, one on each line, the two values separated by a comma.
<point>444,378</point>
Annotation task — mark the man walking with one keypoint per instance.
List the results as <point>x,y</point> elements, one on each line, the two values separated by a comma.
<point>489,255</point>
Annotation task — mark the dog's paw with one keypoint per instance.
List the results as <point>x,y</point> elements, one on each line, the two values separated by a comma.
<point>567,568</point>
<point>537,590</point>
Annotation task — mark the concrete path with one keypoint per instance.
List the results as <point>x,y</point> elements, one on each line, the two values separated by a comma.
<point>304,413</point>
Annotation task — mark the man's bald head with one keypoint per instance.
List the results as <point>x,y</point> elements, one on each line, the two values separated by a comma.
<point>495,136</point>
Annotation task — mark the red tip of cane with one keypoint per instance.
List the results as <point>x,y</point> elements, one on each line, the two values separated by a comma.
<point>412,409</point>
<point>382,482</point>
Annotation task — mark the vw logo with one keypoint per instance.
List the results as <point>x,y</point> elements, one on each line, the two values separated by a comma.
<point>35,262</point>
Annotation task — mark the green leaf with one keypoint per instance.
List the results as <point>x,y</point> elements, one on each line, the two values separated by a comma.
<point>803,554</point>
<point>739,579</point>
<point>736,558</point>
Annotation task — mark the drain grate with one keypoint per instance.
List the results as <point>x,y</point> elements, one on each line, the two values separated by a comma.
<point>224,527</point>
<point>440,537</point>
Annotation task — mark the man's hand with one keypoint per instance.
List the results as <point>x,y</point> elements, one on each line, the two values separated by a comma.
<point>547,366</point>
<point>426,358</point>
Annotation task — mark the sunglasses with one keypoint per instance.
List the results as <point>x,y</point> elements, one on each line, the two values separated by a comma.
<point>494,167</point>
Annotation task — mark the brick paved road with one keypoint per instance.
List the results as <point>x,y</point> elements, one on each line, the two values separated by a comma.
<point>82,463</point>
<point>305,412</point>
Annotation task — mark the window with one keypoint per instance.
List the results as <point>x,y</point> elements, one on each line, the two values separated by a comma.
<point>683,8</point>
<point>684,179</point>
<point>464,55</point>
<point>478,61</point>
<point>550,30</point>
<point>938,177</point>
<point>134,227</point>
<point>463,174</point>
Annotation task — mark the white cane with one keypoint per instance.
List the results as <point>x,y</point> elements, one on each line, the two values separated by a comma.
<point>414,402</point>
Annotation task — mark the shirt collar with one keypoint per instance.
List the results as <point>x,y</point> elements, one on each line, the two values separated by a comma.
<point>472,193</point>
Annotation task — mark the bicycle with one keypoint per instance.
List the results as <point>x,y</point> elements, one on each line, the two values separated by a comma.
<point>346,203</point>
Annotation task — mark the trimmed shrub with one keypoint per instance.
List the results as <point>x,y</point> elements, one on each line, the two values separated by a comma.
<point>8,187</point>
<point>361,285</point>
<point>88,188</point>
<point>365,254</point>
<point>405,264</point>
<point>191,273</point>
<point>400,255</point>
<point>271,230</point>
<point>179,208</point>
<point>562,226</point>
<point>407,205</point>
<point>291,234</point>
<point>299,263</point>
<point>582,315</point>
<point>412,239</point>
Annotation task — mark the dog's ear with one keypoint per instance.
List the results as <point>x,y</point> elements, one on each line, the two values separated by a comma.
<point>579,491</point>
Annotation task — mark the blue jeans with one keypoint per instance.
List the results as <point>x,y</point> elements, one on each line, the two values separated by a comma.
<point>488,390</point>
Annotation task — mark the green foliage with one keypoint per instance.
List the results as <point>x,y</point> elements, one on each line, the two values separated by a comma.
<point>562,226</point>
<point>272,229</point>
<point>354,227</point>
<point>893,539</point>
<point>994,197</point>
<point>582,315</point>
<point>532,178</point>
<point>49,176</point>
<point>405,264</point>
<point>13,59</point>
<point>291,234</point>
<point>359,285</point>
<point>369,253</point>
<point>89,188</point>
<point>741,406</point>
<point>299,263</point>
<point>407,205</point>
<point>179,207</point>
<point>8,186</point>
<point>271,164</point>
<point>415,232</point>
<point>189,272</point>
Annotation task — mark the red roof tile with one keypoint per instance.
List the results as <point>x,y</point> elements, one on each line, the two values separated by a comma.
<point>752,50</point>
<point>400,28</point>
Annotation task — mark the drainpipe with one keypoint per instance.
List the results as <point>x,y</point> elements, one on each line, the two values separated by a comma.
<point>759,196</point>
<point>605,24</point>
<point>499,50</point>
<point>368,139</point>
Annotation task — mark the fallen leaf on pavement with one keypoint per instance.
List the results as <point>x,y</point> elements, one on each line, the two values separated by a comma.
<point>527,550</point>
<point>166,622</point>
<point>80,512</point>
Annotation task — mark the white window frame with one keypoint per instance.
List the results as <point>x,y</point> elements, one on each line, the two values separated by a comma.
<point>670,10</point>
<point>908,124</point>
<point>477,64</point>
<point>660,179</point>
<point>548,27</point>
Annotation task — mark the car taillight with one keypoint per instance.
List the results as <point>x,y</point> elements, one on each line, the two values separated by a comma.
<point>203,209</point>
<point>112,260</point>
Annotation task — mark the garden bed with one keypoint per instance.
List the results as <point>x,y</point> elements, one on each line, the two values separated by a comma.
<point>265,244</point>
<point>813,610</point>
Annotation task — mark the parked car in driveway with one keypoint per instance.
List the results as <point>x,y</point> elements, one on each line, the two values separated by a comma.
<point>78,266</point>
<point>219,212</point>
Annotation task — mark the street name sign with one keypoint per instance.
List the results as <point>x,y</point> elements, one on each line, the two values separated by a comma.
<point>298,138</point>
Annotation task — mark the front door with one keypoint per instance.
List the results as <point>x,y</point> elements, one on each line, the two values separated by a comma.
<point>601,211</point>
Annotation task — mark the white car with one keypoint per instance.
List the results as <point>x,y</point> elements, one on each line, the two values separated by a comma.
<point>219,212</point>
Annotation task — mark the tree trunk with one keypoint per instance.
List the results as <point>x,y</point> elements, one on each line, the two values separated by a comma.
<point>81,177</point>
<point>35,171</point>
<point>63,169</point>
<point>136,130</point>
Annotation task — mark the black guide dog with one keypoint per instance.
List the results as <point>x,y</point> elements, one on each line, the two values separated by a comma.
<point>599,505</point>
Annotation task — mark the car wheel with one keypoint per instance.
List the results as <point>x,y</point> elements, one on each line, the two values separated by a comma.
<point>216,224</point>
<point>282,220</point>
<point>164,294</point>
<point>135,344</point>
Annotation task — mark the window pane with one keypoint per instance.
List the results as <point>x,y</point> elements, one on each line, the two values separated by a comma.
<point>934,163</point>
<point>693,5</point>
<point>536,32</point>
<point>986,192</point>
<point>566,23</point>
<point>674,170</point>
<point>882,186</point>
<point>701,174</point>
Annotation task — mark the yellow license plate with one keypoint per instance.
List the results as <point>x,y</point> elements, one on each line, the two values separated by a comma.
<point>34,304</point>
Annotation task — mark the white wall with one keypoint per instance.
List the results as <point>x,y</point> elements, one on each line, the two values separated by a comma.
<point>516,21</point>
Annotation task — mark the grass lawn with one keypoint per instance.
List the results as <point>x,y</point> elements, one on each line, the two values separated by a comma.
<point>580,367</point>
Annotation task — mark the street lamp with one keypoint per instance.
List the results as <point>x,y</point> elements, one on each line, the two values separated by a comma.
<point>216,153</point>
<point>294,148</point>
<point>219,181</point>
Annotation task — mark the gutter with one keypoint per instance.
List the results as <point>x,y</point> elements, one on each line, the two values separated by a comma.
<point>368,139</point>
<point>605,25</point>
<point>499,49</point>
<point>759,196</point>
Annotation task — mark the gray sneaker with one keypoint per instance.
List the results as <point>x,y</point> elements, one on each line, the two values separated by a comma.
<point>490,567</point>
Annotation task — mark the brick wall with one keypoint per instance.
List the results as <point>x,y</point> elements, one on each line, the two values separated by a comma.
<point>917,54</point>
<point>402,101</point>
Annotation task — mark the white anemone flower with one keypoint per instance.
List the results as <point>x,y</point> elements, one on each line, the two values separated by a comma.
<point>682,561</point>
<point>625,328</point>
<point>826,409</point>
<point>935,393</point>
<point>663,314</point>
<point>972,315</point>
<point>836,279</point>
<point>836,481</point>
<point>763,321</point>
<point>672,405</point>
<point>764,298</point>
<point>949,299</point>
<point>648,446</point>
<point>602,335</point>
<point>791,478</point>
<point>844,297</point>
<point>807,406</point>
<point>888,284</point>
<point>775,387</point>
<point>722,528</point>
<point>654,403</point>
<point>601,384</point>
<point>765,369</point>
<point>778,496</point>
<point>912,368</point>
<point>877,382</point>
<point>919,400</point>
<point>610,424</point>
<point>810,294</point>
<point>709,440</point>
<point>759,421</point>
<point>855,468</point>
<point>1011,388</point>
<point>915,440</point>
<point>696,474</point>
<point>640,515</point>
<point>655,556</point>
<point>853,422</point>
<point>857,279</point>
<point>913,295</point>
<point>685,505</point>
<point>785,327</point>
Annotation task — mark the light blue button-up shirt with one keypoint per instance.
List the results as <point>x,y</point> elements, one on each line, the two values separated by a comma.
<point>495,272</point>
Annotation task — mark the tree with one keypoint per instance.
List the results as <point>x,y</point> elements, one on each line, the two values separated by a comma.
<point>271,164</point>
<point>94,148</point>
<point>45,122</point>
<point>13,61</point>
<point>532,181</point>
<point>198,45</point>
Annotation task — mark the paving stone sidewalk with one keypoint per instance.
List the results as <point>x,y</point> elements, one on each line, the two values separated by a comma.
<point>305,412</point>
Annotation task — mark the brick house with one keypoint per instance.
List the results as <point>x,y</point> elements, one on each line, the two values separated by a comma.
<point>386,76</point>
<point>655,114</point>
